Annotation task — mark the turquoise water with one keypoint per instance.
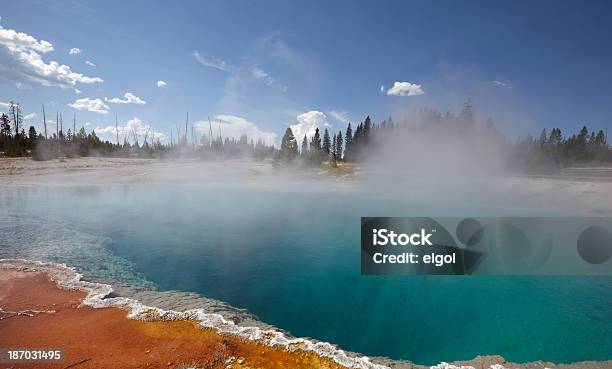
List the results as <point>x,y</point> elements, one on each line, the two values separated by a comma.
<point>292,259</point>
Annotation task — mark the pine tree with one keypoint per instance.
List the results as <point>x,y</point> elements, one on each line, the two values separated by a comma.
<point>333,149</point>
<point>82,134</point>
<point>304,146</point>
<point>5,125</point>
<point>367,128</point>
<point>583,133</point>
<point>32,133</point>
<point>581,143</point>
<point>339,146</point>
<point>315,147</point>
<point>467,114</point>
<point>555,137</point>
<point>326,143</point>
<point>348,142</point>
<point>289,148</point>
<point>542,140</point>
<point>357,142</point>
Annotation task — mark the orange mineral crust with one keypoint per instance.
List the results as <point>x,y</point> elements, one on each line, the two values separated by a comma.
<point>37,314</point>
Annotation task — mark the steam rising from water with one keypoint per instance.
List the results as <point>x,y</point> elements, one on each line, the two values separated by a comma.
<point>429,145</point>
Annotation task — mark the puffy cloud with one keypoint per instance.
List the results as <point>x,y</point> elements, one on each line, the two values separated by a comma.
<point>213,62</point>
<point>77,91</point>
<point>502,84</point>
<point>93,105</point>
<point>161,84</point>
<point>341,116</point>
<point>405,89</point>
<point>75,51</point>
<point>89,63</point>
<point>130,98</point>
<point>21,59</point>
<point>382,88</point>
<point>134,126</point>
<point>308,123</point>
<point>234,126</point>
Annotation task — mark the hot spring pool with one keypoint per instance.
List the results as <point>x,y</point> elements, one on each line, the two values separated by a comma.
<point>292,259</point>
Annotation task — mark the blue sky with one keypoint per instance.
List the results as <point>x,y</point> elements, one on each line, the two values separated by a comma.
<point>258,67</point>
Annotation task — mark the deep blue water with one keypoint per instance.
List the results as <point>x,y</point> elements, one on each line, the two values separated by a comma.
<point>292,259</point>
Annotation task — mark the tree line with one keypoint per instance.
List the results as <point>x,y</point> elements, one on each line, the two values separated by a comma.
<point>347,146</point>
<point>551,151</point>
<point>16,142</point>
<point>554,150</point>
<point>547,154</point>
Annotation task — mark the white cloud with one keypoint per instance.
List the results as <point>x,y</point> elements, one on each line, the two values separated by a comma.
<point>213,62</point>
<point>161,84</point>
<point>93,105</point>
<point>89,63</point>
<point>77,91</point>
<point>25,117</point>
<point>75,51</point>
<point>130,98</point>
<point>261,75</point>
<point>234,127</point>
<point>133,126</point>
<point>405,89</point>
<point>382,88</point>
<point>21,59</point>
<point>308,123</point>
<point>341,116</point>
<point>239,72</point>
<point>22,86</point>
<point>502,84</point>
